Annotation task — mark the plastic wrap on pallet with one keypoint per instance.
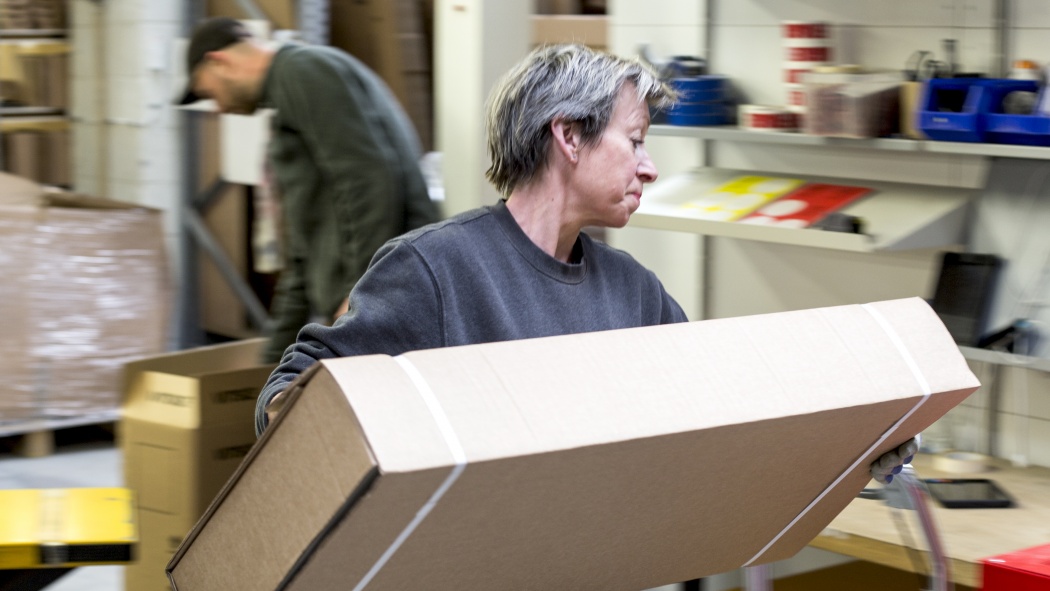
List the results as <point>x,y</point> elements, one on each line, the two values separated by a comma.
<point>86,289</point>
<point>17,401</point>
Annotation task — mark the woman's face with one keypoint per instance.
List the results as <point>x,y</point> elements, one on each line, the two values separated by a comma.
<point>610,173</point>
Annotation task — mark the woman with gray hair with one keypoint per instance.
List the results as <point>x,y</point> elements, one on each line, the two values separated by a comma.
<point>566,137</point>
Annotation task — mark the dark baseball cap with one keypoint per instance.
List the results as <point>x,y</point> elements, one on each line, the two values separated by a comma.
<point>211,35</point>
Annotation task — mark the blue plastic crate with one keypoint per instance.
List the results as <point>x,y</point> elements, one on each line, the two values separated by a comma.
<point>709,119</point>
<point>953,109</point>
<point>1004,128</point>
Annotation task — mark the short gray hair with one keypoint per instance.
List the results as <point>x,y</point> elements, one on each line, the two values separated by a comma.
<point>567,81</point>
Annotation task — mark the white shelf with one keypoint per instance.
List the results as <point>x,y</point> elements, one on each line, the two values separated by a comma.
<point>1000,358</point>
<point>895,216</point>
<point>20,111</point>
<point>30,33</point>
<point>735,134</point>
<point>51,424</point>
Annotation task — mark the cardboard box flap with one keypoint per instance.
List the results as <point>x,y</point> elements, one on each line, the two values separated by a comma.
<point>341,469</point>
<point>181,389</point>
<point>80,201</point>
<point>19,191</point>
<point>16,190</point>
<point>615,460</point>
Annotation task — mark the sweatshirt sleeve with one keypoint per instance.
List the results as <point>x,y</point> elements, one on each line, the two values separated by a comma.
<point>395,308</point>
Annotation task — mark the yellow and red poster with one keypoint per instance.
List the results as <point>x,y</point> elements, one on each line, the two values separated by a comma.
<point>739,197</point>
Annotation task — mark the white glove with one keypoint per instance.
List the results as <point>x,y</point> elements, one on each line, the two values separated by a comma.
<point>891,462</point>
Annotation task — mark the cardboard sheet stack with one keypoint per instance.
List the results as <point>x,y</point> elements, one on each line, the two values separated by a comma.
<point>84,289</point>
<point>614,460</point>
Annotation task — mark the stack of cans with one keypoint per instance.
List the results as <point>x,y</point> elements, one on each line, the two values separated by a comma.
<point>807,45</point>
<point>702,100</point>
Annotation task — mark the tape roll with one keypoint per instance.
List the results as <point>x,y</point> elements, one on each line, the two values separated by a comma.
<point>809,54</point>
<point>766,118</point>
<point>794,75</point>
<point>805,29</point>
<point>961,462</point>
<point>796,94</point>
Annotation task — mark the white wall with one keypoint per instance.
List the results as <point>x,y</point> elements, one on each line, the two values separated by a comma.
<point>125,131</point>
<point>479,40</point>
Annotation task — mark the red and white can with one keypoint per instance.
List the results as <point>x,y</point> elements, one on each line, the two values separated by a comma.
<point>796,95</point>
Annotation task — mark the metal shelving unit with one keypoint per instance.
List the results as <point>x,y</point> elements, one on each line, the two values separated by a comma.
<point>735,134</point>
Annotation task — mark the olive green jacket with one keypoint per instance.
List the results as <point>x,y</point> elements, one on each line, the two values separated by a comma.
<point>346,163</point>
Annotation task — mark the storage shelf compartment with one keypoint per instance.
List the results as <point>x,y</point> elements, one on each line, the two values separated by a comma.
<point>735,134</point>
<point>895,216</point>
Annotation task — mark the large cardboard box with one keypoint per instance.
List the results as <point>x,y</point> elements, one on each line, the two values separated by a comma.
<point>188,421</point>
<point>613,460</point>
<point>392,38</point>
<point>85,289</point>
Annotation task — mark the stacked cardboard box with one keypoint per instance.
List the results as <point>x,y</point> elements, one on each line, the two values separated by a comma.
<point>15,14</point>
<point>35,73</point>
<point>85,289</point>
<point>43,156</point>
<point>188,420</point>
<point>622,459</point>
<point>281,13</point>
<point>589,30</point>
<point>32,14</point>
<point>392,39</point>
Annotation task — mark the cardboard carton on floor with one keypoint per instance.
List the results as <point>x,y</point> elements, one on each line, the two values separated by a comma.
<point>188,421</point>
<point>614,460</point>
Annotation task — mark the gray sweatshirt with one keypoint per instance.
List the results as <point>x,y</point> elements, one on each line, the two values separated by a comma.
<point>477,278</point>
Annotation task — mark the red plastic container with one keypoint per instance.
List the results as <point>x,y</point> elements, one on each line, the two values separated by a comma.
<point>1024,570</point>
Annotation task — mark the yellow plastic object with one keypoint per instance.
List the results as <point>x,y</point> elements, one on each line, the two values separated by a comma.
<point>66,527</point>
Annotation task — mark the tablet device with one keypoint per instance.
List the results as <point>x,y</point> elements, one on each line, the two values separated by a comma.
<point>968,493</point>
<point>963,295</point>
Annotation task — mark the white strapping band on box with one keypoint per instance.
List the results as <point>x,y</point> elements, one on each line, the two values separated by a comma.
<point>458,455</point>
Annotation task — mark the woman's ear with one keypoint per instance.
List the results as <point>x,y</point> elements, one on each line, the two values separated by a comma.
<point>566,136</point>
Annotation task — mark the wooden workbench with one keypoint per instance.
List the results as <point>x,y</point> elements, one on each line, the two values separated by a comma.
<point>869,530</point>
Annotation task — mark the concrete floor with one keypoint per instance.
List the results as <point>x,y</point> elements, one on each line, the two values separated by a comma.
<point>83,457</point>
